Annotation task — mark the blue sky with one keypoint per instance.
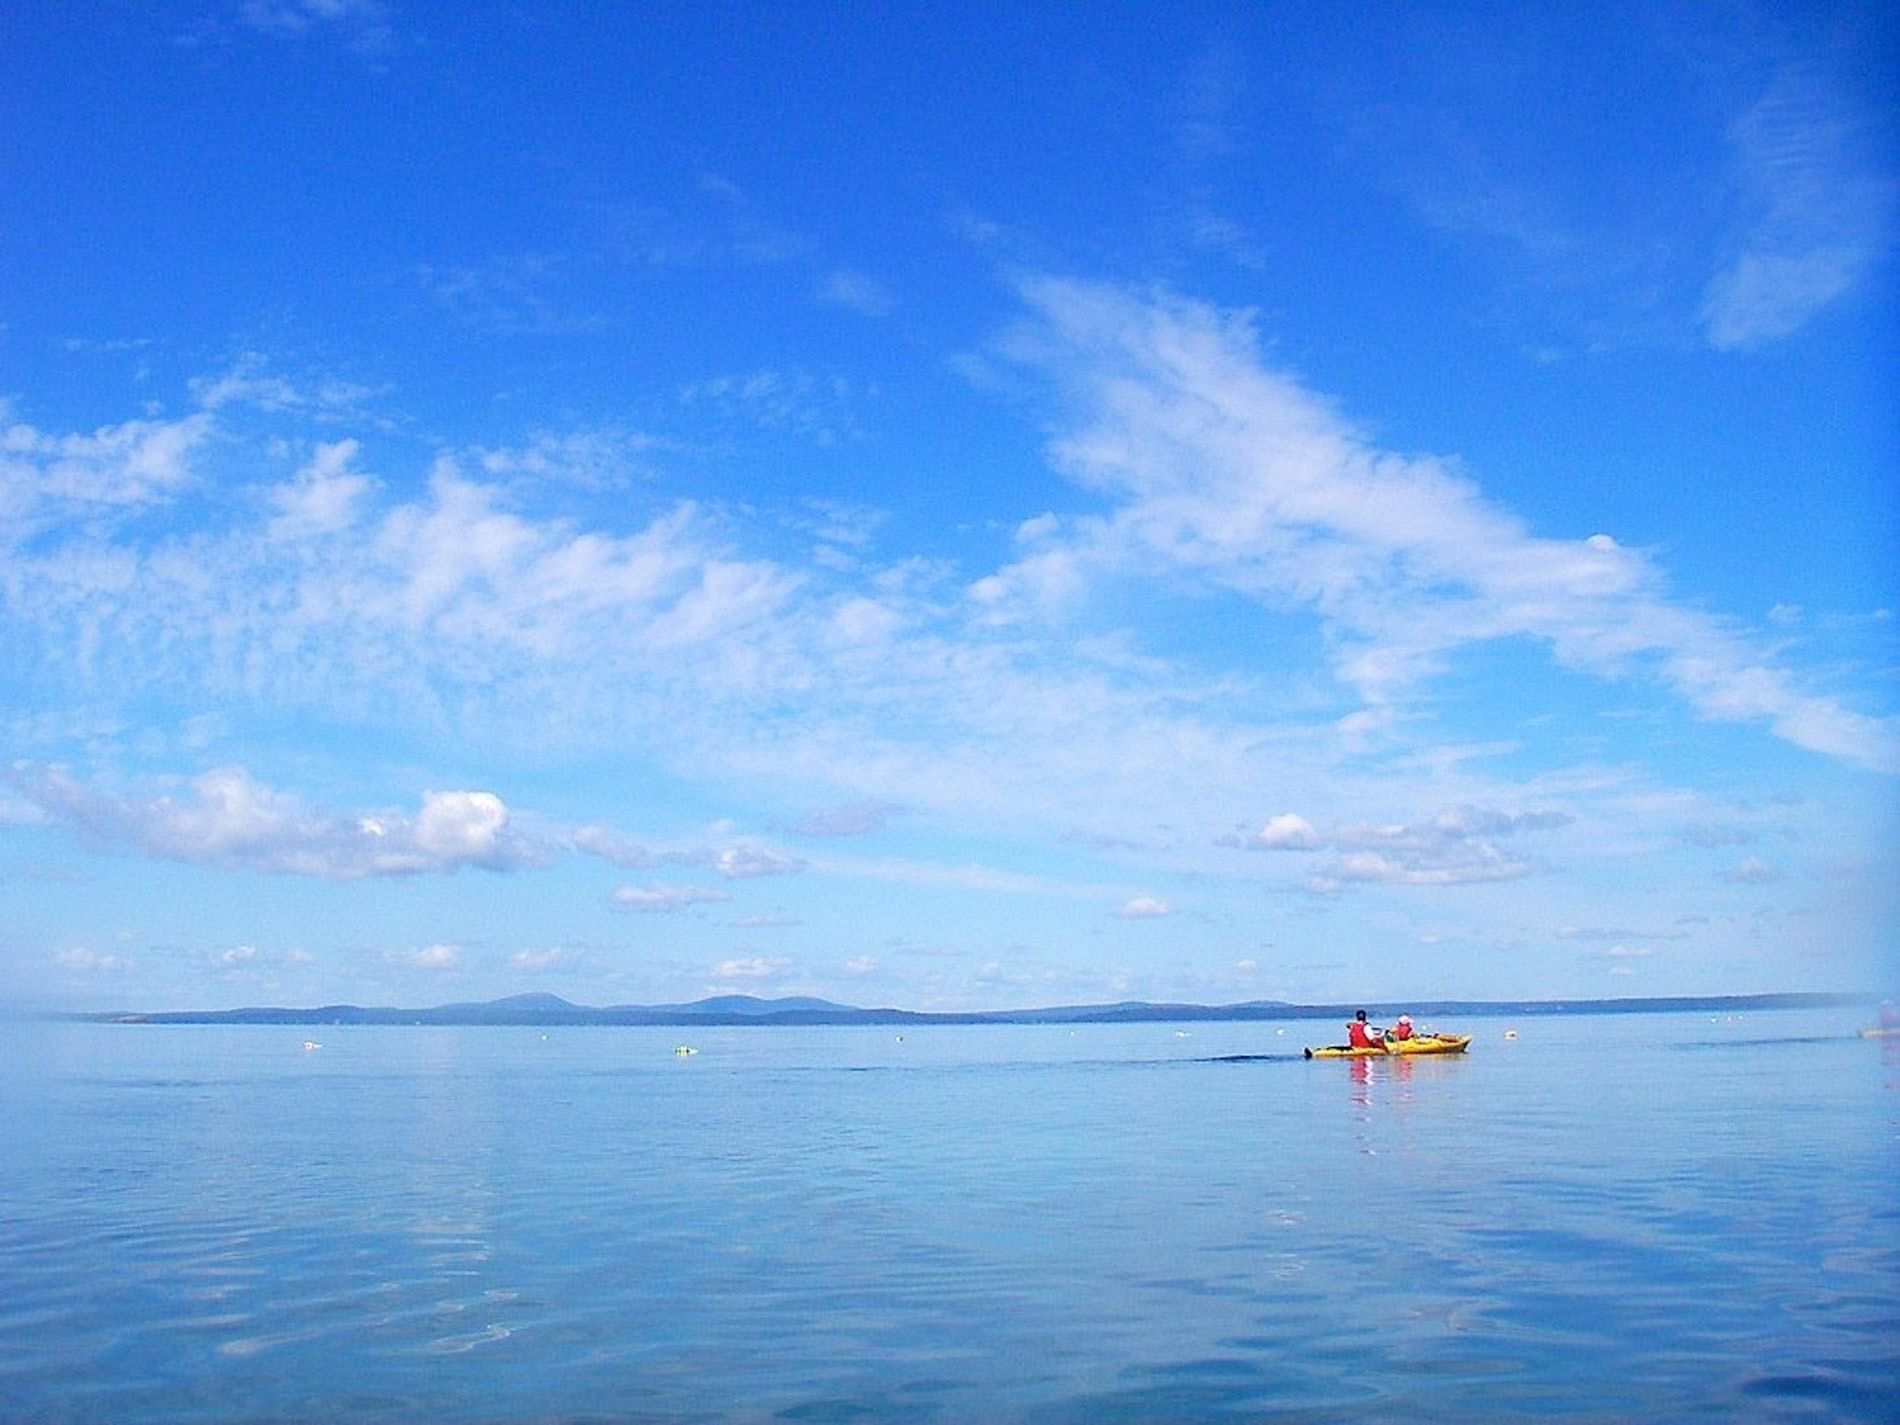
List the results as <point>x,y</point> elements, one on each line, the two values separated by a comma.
<point>946,508</point>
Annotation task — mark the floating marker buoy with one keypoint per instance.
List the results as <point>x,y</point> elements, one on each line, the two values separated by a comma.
<point>683,1050</point>
<point>1510,1034</point>
<point>311,1044</point>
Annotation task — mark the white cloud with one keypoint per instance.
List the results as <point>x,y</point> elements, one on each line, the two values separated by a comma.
<point>89,961</point>
<point>665,898</point>
<point>814,406</point>
<point>1458,845</point>
<point>861,965</point>
<point>613,847</point>
<point>1144,908</point>
<point>538,961</point>
<point>297,16</point>
<point>606,458</point>
<point>757,968</point>
<point>857,292</point>
<point>739,863</point>
<point>324,497</point>
<point>460,607</point>
<point>229,819</point>
<point>852,819</point>
<point>1224,470</point>
<point>434,957</point>
<point>1751,871</point>
<point>1288,831</point>
<point>45,479</point>
<point>1821,214</point>
<point>251,383</point>
<point>463,828</point>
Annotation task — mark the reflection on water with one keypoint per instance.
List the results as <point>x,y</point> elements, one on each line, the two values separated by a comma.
<point>974,1224</point>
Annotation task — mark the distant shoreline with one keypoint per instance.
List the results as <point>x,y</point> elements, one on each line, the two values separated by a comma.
<point>547,1010</point>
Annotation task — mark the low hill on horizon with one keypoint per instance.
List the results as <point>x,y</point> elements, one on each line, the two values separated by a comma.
<point>539,1008</point>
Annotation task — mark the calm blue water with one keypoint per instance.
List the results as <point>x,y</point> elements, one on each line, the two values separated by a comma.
<point>1606,1219</point>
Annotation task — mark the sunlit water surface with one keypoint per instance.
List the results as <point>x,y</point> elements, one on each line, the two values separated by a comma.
<point>1640,1218</point>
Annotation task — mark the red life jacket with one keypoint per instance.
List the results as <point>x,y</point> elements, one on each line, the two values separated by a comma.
<point>1357,1036</point>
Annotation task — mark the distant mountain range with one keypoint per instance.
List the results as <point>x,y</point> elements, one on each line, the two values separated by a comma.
<point>546,1009</point>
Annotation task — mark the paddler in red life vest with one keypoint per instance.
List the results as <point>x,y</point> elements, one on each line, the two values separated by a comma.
<point>1401,1028</point>
<point>1361,1035</point>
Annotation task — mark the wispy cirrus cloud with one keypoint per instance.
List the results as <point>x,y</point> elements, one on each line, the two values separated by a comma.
<point>851,819</point>
<point>857,292</point>
<point>252,381</point>
<point>1217,467</point>
<point>1820,212</point>
<point>866,685</point>
<point>665,899</point>
<point>756,967</point>
<point>47,478</point>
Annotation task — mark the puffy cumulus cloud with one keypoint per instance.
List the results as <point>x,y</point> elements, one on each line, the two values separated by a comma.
<point>1459,845</point>
<point>1143,908</point>
<point>1217,468</point>
<point>861,965</point>
<point>431,957</point>
<point>229,819</point>
<point>1288,831</point>
<point>739,863</point>
<point>462,828</point>
<point>665,898</point>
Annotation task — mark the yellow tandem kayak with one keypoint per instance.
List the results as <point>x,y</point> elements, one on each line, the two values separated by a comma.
<point>1419,1044</point>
